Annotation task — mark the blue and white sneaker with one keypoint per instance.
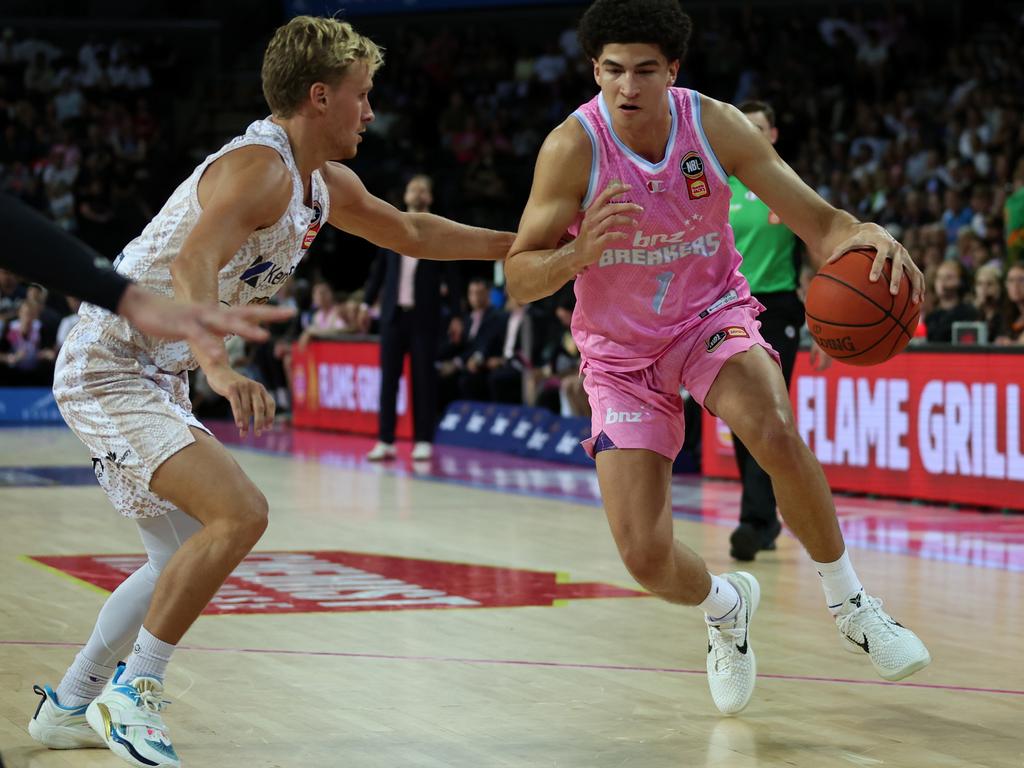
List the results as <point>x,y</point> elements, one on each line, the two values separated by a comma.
<point>126,715</point>
<point>59,727</point>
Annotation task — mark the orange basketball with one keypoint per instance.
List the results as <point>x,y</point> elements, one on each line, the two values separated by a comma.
<point>855,320</point>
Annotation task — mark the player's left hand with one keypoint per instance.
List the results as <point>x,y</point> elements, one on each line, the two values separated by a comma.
<point>202,325</point>
<point>886,247</point>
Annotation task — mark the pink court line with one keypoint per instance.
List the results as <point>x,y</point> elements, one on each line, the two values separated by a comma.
<point>549,664</point>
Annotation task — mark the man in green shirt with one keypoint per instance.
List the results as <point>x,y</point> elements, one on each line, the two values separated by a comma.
<point>771,266</point>
<point>1013,215</point>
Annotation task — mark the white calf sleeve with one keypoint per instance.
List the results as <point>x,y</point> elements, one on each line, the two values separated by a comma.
<point>121,616</point>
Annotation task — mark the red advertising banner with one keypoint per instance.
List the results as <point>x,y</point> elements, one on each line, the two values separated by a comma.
<point>925,425</point>
<point>336,385</point>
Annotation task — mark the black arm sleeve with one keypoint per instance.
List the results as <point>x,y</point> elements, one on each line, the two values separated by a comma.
<point>37,249</point>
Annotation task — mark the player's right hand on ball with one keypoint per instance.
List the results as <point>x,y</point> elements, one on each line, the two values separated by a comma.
<point>605,222</point>
<point>249,399</point>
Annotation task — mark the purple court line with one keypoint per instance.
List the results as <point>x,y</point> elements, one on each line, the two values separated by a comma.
<point>550,664</point>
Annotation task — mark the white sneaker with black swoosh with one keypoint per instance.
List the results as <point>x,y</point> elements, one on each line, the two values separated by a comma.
<point>894,650</point>
<point>732,669</point>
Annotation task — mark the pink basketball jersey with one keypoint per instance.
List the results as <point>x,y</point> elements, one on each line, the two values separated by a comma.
<point>679,265</point>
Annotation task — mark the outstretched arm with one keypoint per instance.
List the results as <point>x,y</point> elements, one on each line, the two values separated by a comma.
<point>37,249</point>
<point>540,262</point>
<point>421,235</point>
<point>828,232</point>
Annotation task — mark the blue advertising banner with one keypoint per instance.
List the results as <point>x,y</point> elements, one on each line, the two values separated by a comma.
<point>28,405</point>
<point>524,431</point>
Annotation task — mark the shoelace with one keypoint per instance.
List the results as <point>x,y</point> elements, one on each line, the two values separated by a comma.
<point>868,618</point>
<point>150,698</point>
<point>723,645</point>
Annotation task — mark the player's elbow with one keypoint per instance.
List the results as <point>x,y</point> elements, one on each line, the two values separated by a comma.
<point>516,283</point>
<point>182,266</point>
<point>412,238</point>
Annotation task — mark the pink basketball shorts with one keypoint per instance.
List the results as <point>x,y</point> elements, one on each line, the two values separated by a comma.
<point>643,409</point>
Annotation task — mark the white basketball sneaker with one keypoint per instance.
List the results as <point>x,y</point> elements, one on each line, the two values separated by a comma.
<point>732,669</point>
<point>894,650</point>
<point>59,727</point>
<point>127,717</point>
<point>381,452</point>
<point>422,451</point>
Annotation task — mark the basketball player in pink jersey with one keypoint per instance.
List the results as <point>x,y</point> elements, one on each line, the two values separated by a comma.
<point>638,176</point>
<point>232,232</point>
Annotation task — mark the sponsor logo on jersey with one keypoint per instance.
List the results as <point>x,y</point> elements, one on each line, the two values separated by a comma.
<point>657,249</point>
<point>99,467</point>
<point>655,185</point>
<point>728,298</point>
<point>692,167</point>
<point>623,417</point>
<point>314,225</point>
<point>731,332</point>
<point>265,272</point>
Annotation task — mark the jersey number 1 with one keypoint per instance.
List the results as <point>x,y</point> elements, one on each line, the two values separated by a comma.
<point>664,279</point>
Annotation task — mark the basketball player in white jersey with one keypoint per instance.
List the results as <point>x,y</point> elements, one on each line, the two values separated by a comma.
<point>233,232</point>
<point>639,176</point>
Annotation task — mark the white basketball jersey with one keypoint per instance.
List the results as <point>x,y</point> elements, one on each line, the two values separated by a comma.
<point>266,259</point>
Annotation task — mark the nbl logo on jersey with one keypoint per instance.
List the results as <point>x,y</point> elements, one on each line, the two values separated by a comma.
<point>692,167</point>
<point>314,225</point>
<point>731,332</point>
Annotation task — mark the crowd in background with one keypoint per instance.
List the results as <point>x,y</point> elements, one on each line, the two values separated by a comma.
<point>925,139</point>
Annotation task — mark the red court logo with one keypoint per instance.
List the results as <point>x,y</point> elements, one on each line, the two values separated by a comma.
<point>311,582</point>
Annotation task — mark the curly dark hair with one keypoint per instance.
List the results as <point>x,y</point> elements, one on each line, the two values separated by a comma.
<point>659,22</point>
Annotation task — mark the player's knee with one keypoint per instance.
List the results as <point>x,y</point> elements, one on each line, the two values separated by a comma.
<point>255,514</point>
<point>777,443</point>
<point>645,561</point>
<point>246,520</point>
<point>154,567</point>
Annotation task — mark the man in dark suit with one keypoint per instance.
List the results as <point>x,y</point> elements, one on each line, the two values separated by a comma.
<point>475,339</point>
<point>409,291</point>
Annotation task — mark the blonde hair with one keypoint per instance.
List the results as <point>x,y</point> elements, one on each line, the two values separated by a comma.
<point>310,50</point>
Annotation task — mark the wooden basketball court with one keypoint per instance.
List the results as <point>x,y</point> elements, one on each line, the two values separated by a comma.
<point>473,613</point>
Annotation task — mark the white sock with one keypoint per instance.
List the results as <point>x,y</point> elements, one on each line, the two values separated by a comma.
<point>83,682</point>
<point>148,659</point>
<point>722,603</point>
<point>839,581</point>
